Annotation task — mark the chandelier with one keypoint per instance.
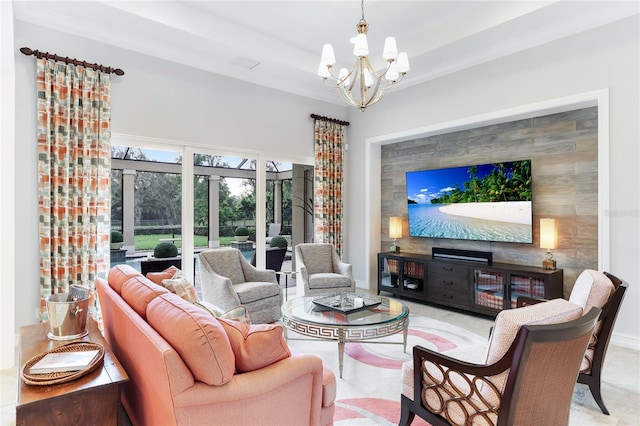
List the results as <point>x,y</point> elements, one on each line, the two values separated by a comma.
<point>362,86</point>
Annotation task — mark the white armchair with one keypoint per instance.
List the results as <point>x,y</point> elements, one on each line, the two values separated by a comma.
<point>321,269</point>
<point>229,280</point>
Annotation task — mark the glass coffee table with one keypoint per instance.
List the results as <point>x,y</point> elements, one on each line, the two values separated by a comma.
<point>353,323</point>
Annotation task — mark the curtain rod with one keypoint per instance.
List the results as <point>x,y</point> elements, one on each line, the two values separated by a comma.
<point>333,120</point>
<point>98,67</point>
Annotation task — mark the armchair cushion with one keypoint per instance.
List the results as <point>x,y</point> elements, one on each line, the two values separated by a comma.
<point>254,291</point>
<point>328,280</point>
<point>199,338</point>
<point>255,346</point>
<point>318,258</point>
<point>592,288</point>
<point>509,321</point>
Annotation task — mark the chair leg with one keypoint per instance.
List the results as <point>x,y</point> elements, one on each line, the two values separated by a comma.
<point>594,387</point>
<point>406,415</point>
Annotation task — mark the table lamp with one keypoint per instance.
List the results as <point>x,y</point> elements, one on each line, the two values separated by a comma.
<point>549,241</point>
<point>395,232</point>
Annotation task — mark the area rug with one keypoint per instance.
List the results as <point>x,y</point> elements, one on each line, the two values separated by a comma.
<point>369,391</point>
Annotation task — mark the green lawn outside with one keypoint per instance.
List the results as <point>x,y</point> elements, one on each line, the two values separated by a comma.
<point>148,242</point>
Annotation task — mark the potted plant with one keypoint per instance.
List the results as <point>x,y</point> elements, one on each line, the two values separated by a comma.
<point>279,241</point>
<point>165,254</point>
<point>242,234</point>
<point>164,250</point>
<point>117,240</point>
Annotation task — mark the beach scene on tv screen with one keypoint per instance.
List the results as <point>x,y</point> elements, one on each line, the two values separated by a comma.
<point>484,202</point>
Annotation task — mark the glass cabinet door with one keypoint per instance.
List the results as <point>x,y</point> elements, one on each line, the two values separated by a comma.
<point>488,286</point>
<point>520,285</point>
<point>389,272</point>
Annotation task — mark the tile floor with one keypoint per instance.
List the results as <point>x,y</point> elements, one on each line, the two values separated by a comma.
<point>620,388</point>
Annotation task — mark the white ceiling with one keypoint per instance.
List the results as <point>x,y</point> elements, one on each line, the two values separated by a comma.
<point>278,43</point>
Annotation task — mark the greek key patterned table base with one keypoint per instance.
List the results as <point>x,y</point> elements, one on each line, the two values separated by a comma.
<point>344,334</point>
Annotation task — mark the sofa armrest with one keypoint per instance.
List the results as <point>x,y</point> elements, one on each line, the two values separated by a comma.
<point>289,391</point>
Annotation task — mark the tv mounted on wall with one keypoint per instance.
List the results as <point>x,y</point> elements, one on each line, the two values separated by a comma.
<point>482,202</point>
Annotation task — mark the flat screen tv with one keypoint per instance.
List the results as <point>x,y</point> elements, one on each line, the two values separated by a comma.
<point>482,202</point>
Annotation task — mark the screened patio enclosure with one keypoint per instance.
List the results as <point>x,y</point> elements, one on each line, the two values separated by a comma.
<point>146,197</point>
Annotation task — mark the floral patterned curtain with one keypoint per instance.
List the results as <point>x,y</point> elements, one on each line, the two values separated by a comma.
<point>328,182</point>
<point>74,164</point>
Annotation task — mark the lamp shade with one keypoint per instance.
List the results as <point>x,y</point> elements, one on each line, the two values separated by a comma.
<point>328,57</point>
<point>395,227</point>
<point>390,50</point>
<point>548,233</point>
<point>403,62</point>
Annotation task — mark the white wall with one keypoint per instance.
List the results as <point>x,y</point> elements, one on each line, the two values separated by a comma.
<point>157,99</point>
<point>607,57</point>
<point>161,99</point>
<point>7,185</point>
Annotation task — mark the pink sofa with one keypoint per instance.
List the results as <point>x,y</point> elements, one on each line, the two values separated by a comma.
<point>162,389</point>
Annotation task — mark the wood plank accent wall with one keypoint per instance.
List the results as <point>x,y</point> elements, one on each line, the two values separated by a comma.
<point>563,149</point>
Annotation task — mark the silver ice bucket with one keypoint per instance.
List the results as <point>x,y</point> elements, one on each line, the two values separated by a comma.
<point>67,319</point>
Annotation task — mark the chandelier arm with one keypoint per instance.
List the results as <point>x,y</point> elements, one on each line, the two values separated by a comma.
<point>376,94</point>
<point>347,97</point>
<point>377,97</point>
<point>363,86</point>
<point>372,70</point>
<point>338,81</point>
<point>365,97</point>
<point>352,75</point>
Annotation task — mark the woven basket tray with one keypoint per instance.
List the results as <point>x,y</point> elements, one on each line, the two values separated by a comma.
<point>47,379</point>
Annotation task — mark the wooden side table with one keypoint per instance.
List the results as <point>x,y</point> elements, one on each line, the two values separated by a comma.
<point>92,399</point>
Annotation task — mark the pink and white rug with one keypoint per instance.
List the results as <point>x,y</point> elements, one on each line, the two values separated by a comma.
<point>369,391</point>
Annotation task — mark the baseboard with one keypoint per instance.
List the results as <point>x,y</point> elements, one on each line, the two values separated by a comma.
<point>626,341</point>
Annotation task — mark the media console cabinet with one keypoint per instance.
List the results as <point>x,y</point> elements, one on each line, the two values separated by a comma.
<point>469,285</point>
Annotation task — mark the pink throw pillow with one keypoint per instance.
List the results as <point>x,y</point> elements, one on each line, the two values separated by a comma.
<point>157,277</point>
<point>198,338</point>
<point>255,346</point>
